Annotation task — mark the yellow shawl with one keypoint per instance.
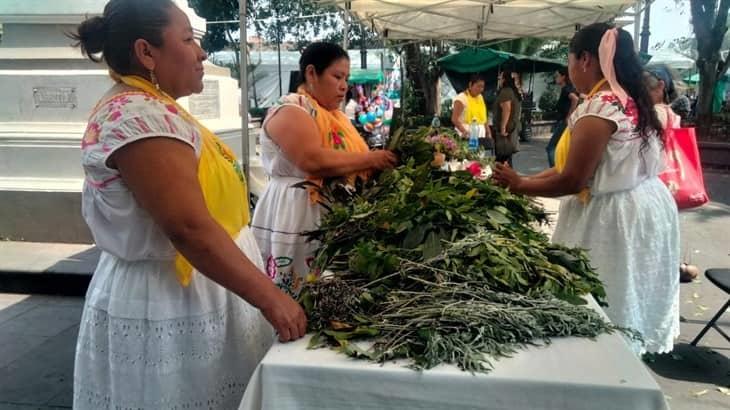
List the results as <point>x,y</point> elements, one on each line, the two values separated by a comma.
<point>563,147</point>
<point>219,174</point>
<point>337,133</point>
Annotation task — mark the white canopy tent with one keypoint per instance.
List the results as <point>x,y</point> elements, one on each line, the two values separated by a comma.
<point>482,19</point>
<point>672,59</point>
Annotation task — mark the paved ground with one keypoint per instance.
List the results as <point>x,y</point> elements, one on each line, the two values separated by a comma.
<point>38,333</point>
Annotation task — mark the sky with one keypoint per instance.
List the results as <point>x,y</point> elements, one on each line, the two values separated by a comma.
<point>668,21</point>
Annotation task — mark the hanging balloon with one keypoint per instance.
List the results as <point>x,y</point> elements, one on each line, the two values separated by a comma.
<point>378,112</point>
<point>363,118</point>
<point>371,116</point>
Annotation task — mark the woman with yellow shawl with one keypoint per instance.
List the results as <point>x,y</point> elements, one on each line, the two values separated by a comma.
<point>176,313</point>
<point>307,137</point>
<point>469,106</point>
<point>607,163</point>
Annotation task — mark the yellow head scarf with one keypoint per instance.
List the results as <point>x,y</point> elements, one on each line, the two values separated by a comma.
<point>475,109</point>
<point>337,133</point>
<point>219,174</point>
<point>563,147</point>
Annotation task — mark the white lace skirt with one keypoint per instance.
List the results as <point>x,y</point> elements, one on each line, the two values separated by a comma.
<point>147,342</point>
<point>632,238</point>
<point>282,216</point>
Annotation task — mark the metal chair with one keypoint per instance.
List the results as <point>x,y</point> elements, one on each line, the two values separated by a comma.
<point>721,279</point>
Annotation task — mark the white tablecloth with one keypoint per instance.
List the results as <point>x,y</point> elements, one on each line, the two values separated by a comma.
<point>569,374</point>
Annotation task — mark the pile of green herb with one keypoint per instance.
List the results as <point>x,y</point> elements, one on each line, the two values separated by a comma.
<point>440,267</point>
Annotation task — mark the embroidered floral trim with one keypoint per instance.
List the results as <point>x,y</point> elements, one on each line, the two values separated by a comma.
<point>338,139</point>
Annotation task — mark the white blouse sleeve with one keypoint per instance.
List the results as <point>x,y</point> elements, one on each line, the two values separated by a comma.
<point>132,117</point>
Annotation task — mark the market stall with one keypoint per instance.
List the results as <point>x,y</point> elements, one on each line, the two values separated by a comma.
<point>487,62</point>
<point>440,285</point>
<point>569,374</point>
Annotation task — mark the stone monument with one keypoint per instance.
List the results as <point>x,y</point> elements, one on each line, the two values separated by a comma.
<point>48,91</point>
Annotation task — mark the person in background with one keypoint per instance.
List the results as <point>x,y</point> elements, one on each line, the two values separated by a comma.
<point>469,105</point>
<point>615,205</point>
<point>307,138</point>
<point>352,105</point>
<point>567,101</point>
<point>682,106</point>
<point>173,313</point>
<point>507,110</point>
<point>659,81</point>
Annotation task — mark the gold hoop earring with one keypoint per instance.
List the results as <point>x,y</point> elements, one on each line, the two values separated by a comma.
<point>153,80</point>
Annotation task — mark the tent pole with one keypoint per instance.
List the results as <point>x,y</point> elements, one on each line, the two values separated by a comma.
<point>278,52</point>
<point>346,34</point>
<point>637,23</point>
<point>243,71</point>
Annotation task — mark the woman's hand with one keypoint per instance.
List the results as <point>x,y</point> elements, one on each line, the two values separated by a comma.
<point>285,315</point>
<point>382,159</point>
<point>507,177</point>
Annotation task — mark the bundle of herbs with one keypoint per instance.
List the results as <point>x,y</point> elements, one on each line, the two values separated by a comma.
<point>441,267</point>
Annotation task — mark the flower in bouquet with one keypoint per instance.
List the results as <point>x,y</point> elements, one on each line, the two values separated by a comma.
<point>444,144</point>
<point>478,170</point>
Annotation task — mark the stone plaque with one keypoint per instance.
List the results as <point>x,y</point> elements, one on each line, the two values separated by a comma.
<point>206,105</point>
<point>54,97</point>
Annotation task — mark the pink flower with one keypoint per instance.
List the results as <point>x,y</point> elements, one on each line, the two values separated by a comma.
<point>115,115</point>
<point>475,169</point>
<point>609,98</point>
<point>271,267</point>
<point>336,139</point>
<point>91,136</point>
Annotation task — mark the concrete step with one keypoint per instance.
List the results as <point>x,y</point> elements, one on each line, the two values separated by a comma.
<point>46,268</point>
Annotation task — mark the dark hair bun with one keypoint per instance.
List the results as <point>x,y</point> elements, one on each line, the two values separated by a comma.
<point>91,36</point>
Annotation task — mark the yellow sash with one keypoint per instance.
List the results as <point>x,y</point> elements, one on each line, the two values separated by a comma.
<point>563,147</point>
<point>337,133</point>
<point>219,174</point>
<point>475,109</point>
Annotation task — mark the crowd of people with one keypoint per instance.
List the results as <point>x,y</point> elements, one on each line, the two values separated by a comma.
<point>191,290</point>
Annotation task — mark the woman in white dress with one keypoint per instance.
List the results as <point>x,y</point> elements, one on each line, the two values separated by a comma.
<point>608,161</point>
<point>306,137</point>
<point>176,313</point>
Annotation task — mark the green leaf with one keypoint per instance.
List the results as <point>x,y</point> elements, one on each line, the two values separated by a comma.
<point>415,236</point>
<point>316,341</point>
<point>497,217</point>
<point>432,246</point>
<point>306,301</point>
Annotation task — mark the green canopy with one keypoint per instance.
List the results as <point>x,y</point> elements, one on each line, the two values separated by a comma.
<point>695,78</point>
<point>360,76</point>
<point>718,95</point>
<point>477,60</point>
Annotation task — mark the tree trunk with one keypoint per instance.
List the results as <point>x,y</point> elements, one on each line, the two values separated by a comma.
<point>237,57</point>
<point>252,72</point>
<point>709,23</point>
<point>708,79</point>
<point>415,73</point>
<point>422,79</point>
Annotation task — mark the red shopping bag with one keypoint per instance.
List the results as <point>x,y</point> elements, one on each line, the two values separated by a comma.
<point>683,172</point>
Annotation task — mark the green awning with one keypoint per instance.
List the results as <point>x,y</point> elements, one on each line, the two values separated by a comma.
<point>695,78</point>
<point>360,76</point>
<point>478,60</point>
